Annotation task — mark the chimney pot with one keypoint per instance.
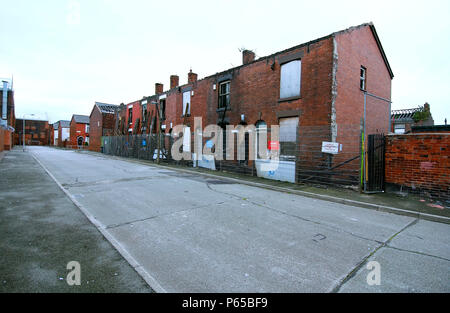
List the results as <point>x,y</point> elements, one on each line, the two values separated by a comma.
<point>159,88</point>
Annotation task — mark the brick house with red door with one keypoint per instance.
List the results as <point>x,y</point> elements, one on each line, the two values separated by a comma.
<point>79,131</point>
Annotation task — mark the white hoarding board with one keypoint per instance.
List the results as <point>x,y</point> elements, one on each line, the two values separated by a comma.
<point>330,147</point>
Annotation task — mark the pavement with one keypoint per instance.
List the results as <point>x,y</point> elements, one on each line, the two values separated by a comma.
<point>187,232</point>
<point>41,231</point>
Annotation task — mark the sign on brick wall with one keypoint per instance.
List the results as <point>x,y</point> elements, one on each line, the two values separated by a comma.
<point>330,147</point>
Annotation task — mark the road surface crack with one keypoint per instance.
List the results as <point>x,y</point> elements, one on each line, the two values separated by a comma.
<point>353,272</point>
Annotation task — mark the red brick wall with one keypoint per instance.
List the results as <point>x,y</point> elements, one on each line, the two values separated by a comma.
<point>3,134</point>
<point>419,161</point>
<point>6,140</point>
<point>36,132</point>
<point>95,129</point>
<point>255,89</point>
<point>358,48</point>
<point>137,113</point>
<point>51,135</point>
<point>109,121</point>
<point>355,48</point>
<point>174,105</point>
<point>100,124</point>
<point>62,143</point>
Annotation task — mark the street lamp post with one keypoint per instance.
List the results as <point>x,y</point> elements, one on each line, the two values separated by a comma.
<point>23,131</point>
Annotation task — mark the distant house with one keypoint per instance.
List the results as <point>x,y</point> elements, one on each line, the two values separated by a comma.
<point>54,138</point>
<point>36,132</point>
<point>402,121</point>
<point>102,123</point>
<point>79,130</point>
<point>63,133</point>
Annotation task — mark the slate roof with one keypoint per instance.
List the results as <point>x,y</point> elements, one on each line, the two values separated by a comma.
<point>83,119</point>
<point>64,124</point>
<point>106,108</point>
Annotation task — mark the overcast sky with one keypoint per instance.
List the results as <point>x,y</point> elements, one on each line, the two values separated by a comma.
<point>65,55</point>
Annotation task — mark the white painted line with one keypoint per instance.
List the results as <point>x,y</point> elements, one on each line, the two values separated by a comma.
<point>149,279</point>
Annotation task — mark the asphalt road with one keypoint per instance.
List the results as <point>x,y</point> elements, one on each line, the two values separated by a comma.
<point>190,233</point>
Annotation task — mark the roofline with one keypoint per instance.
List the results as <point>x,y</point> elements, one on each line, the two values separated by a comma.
<point>96,105</point>
<point>370,24</point>
<point>242,65</point>
<point>97,102</point>
<point>377,39</point>
<point>59,122</point>
<point>73,115</point>
<point>270,56</point>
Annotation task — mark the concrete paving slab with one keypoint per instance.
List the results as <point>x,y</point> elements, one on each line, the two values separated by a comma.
<point>425,237</point>
<point>359,221</point>
<point>403,271</point>
<point>240,247</point>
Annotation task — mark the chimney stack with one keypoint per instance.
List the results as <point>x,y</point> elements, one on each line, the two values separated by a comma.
<point>248,56</point>
<point>174,80</point>
<point>192,77</point>
<point>159,88</point>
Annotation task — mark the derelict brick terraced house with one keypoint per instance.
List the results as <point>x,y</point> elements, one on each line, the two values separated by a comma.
<point>101,123</point>
<point>314,91</point>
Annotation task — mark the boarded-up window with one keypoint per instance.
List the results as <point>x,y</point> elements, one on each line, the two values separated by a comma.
<point>162,108</point>
<point>290,79</point>
<point>130,115</point>
<point>187,139</point>
<point>261,130</point>
<point>187,102</point>
<point>288,138</point>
